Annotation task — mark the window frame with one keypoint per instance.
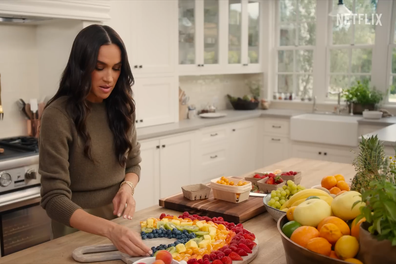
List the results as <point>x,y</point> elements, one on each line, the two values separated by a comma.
<point>295,74</point>
<point>392,45</point>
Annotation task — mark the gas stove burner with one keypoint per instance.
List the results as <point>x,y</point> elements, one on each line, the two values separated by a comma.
<point>16,147</point>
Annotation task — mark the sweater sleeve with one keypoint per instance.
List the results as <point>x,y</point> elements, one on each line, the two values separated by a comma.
<point>55,136</point>
<point>134,159</point>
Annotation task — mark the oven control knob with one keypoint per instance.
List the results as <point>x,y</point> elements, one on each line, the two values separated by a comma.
<point>5,179</point>
<point>31,175</point>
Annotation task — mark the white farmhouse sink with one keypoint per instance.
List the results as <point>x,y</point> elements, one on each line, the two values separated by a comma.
<point>327,129</point>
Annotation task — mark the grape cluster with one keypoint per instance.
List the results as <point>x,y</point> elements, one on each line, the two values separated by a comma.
<point>281,195</point>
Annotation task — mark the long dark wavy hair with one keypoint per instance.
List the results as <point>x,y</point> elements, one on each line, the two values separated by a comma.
<point>76,85</point>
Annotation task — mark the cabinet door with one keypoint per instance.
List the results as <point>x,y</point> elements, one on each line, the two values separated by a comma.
<point>339,155</point>
<point>243,143</point>
<point>307,152</point>
<point>154,34</point>
<point>147,190</point>
<point>156,101</point>
<point>274,149</point>
<point>176,163</point>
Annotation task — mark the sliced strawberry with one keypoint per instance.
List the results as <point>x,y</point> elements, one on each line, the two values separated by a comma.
<point>217,261</point>
<point>206,261</point>
<point>244,247</point>
<point>220,254</point>
<point>234,248</point>
<point>226,260</point>
<point>242,252</point>
<point>235,256</point>
<point>228,251</point>
<point>248,237</point>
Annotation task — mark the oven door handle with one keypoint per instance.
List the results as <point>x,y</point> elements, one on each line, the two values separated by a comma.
<point>22,199</point>
<point>11,200</point>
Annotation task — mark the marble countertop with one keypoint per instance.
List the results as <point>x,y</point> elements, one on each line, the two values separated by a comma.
<point>386,135</point>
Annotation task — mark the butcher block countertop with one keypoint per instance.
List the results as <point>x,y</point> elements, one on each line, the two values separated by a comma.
<point>271,250</point>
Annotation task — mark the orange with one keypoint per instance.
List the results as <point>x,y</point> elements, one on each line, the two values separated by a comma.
<point>343,185</point>
<point>340,192</point>
<point>303,234</point>
<point>355,227</point>
<point>331,232</point>
<point>328,182</point>
<point>344,228</point>
<point>319,245</point>
<point>333,255</point>
<point>335,190</point>
<point>353,260</point>
<point>290,213</point>
<point>339,177</point>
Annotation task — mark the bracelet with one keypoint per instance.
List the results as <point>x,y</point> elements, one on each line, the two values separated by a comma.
<point>130,185</point>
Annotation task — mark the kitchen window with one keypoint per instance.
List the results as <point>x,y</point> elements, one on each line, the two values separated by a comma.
<point>295,42</point>
<point>351,45</point>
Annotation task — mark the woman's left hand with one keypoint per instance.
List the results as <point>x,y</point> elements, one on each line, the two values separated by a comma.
<point>124,203</point>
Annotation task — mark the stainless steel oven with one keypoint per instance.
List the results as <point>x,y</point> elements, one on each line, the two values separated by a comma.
<point>23,223</point>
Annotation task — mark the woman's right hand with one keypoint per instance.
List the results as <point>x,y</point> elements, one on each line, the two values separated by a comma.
<point>128,241</point>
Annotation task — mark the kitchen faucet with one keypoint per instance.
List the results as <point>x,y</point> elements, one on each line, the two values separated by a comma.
<point>314,109</point>
<point>338,108</point>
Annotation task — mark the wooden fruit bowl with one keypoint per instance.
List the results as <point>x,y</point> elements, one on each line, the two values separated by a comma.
<point>296,254</point>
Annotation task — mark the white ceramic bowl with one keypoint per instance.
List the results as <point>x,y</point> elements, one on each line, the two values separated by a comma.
<point>150,260</point>
<point>372,114</point>
<point>275,213</point>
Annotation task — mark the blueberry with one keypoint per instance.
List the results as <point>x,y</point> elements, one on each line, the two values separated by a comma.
<point>159,231</point>
<point>150,235</point>
<point>154,231</point>
<point>142,233</point>
<point>155,235</point>
<point>152,248</point>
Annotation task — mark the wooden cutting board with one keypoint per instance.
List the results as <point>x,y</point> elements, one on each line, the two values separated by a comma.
<point>231,212</point>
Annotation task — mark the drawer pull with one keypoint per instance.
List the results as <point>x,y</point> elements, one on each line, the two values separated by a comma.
<point>213,157</point>
<point>276,126</point>
<point>275,139</point>
<point>213,135</point>
<point>325,153</point>
<point>320,153</point>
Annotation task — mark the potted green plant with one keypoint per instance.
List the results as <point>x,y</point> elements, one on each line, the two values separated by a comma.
<point>376,179</point>
<point>361,96</point>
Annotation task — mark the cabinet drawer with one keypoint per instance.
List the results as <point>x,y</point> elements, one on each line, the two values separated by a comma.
<point>213,135</point>
<point>213,157</point>
<point>276,126</point>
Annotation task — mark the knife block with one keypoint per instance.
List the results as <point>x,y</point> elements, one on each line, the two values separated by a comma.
<point>183,110</point>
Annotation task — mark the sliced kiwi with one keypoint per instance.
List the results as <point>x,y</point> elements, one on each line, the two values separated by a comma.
<point>147,230</point>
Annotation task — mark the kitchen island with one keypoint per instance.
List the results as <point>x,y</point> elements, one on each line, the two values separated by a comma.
<point>271,250</point>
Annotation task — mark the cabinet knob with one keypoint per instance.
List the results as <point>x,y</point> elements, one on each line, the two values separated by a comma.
<point>233,129</point>
<point>163,146</point>
<point>325,153</point>
<point>320,153</point>
<point>140,66</point>
<point>158,147</point>
<point>141,120</point>
<point>135,66</point>
<point>202,65</point>
<point>137,121</point>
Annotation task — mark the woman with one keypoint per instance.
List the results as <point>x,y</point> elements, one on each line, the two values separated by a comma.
<point>89,154</point>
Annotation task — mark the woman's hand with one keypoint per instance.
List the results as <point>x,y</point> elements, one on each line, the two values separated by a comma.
<point>124,203</point>
<point>128,241</point>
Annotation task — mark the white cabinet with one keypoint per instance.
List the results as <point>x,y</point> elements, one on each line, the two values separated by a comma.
<point>167,164</point>
<point>148,29</point>
<point>217,36</point>
<point>147,190</point>
<point>242,147</point>
<point>274,141</point>
<point>323,152</point>
<point>94,10</point>
<point>156,100</point>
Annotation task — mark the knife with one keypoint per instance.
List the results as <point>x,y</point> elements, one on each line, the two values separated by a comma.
<point>1,107</point>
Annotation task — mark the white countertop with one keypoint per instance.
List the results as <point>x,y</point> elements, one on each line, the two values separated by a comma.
<point>387,135</point>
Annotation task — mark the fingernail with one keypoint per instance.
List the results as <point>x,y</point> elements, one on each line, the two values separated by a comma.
<point>150,252</point>
<point>119,215</point>
<point>129,217</point>
<point>125,216</point>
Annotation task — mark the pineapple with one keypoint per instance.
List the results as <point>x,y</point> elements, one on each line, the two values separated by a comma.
<point>368,163</point>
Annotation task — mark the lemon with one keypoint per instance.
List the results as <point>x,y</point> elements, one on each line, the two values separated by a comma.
<point>353,260</point>
<point>346,247</point>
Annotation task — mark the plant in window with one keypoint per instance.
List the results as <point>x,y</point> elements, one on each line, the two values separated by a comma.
<point>362,96</point>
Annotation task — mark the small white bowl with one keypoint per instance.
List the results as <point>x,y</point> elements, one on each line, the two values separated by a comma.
<point>372,114</point>
<point>150,260</point>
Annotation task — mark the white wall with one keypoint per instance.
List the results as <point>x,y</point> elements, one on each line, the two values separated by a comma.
<point>214,88</point>
<point>19,74</point>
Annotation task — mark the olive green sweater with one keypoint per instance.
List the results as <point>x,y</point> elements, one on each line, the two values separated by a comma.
<point>70,180</point>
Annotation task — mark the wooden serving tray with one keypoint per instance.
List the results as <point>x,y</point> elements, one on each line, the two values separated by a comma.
<point>231,212</point>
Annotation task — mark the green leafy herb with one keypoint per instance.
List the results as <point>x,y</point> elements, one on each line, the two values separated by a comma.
<point>361,93</point>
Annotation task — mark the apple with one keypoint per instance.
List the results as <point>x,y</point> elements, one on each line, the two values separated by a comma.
<point>311,212</point>
<point>343,203</point>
